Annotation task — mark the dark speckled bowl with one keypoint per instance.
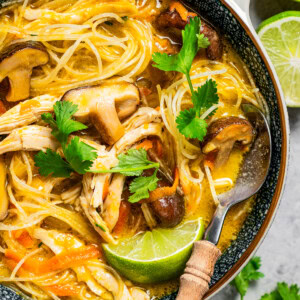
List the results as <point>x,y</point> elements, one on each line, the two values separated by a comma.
<point>234,24</point>
<point>232,21</point>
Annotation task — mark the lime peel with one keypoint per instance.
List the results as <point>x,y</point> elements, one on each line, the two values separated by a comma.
<point>280,36</point>
<point>135,264</point>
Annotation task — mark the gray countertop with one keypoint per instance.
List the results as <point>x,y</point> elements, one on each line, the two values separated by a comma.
<point>280,251</point>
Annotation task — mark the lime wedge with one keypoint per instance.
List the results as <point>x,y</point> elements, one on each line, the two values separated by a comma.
<point>280,35</point>
<point>157,255</point>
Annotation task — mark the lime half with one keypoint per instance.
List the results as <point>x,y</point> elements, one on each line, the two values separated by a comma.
<point>281,37</point>
<point>157,255</point>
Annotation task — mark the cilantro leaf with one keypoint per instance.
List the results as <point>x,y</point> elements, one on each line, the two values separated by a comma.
<point>188,122</point>
<point>203,41</point>
<point>50,162</point>
<point>100,226</point>
<point>181,62</point>
<point>80,155</point>
<point>133,163</point>
<point>141,186</point>
<point>283,292</point>
<point>249,273</point>
<point>190,125</point>
<point>49,119</point>
<point>63,126</point>
<point>272,296</point>
<point>205,97</point>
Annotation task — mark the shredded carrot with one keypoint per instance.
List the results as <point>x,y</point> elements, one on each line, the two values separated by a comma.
<point>23,237</point>
<point>146,144</point>
<point>157,108</point>
<point>61,261</point>
<point>69,259</point>
<point>105,188</point>
<point>30,264</point>
<point>64,290</point>
<point>165,191</point>
<point>11,264</point>
<point>124,212</point>
<point>183,12</point>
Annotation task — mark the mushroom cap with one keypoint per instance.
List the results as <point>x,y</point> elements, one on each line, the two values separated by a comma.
<point>223,133</point>
<point>105,105</point>
<point>16,47</point>
<point>126,97</point>
<point>16,62</point>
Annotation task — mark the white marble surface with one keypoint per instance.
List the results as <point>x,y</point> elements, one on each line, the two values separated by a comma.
<point>280,251</point>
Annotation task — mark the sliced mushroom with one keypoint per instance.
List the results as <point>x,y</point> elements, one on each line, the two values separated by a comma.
<point>168,210</point>
<point>222,134</point>
<point>178,16</point>
<point>105,105</point>
<point>16,63</point>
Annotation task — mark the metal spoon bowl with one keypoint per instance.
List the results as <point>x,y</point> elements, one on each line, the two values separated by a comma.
<point>194,283</point>
<point>252,173</point>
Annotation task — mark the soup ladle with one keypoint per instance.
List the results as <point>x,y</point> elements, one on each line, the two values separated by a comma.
<point>194,283</point>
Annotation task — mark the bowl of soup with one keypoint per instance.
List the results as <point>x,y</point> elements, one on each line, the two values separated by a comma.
<point>121,122</point>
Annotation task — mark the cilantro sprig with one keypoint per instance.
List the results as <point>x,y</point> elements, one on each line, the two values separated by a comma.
<point>79,156</point>
<point>189,122</point>
<point>248,274</point>
<point>283,292</point>
<point>132,163</point>
<point>141,186</point>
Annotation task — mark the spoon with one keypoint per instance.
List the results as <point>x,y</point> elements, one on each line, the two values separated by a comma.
<point>194,283</point>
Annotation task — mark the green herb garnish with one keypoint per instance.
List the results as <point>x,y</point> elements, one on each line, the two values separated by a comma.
<point>64,125</point>
<point>109,23</point>
<point>79,156</point>
<point>132,163</point>
<point>188,122</point>
<point>125,18</point>
<point>50,162</point>
<point>141,186</point>
<point>101,227</point>
<point>283,292</point>
<point>248,274</point>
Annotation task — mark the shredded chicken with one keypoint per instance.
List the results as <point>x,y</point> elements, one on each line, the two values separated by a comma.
<point>91,213</point>
<point>137,134</point>
<point>113,200</point>
<point>144,115</point>
<point>26,113</point>
<point>29,138</point>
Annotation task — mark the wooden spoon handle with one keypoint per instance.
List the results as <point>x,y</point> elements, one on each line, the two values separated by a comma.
<point>194,283</point>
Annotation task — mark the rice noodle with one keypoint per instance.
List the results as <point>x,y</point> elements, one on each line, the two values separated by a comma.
<point>151,222</point>
<point>90,42</point>
<point>211,185</point>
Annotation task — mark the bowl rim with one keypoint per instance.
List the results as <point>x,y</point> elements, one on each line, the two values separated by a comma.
<point>257,241</point>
